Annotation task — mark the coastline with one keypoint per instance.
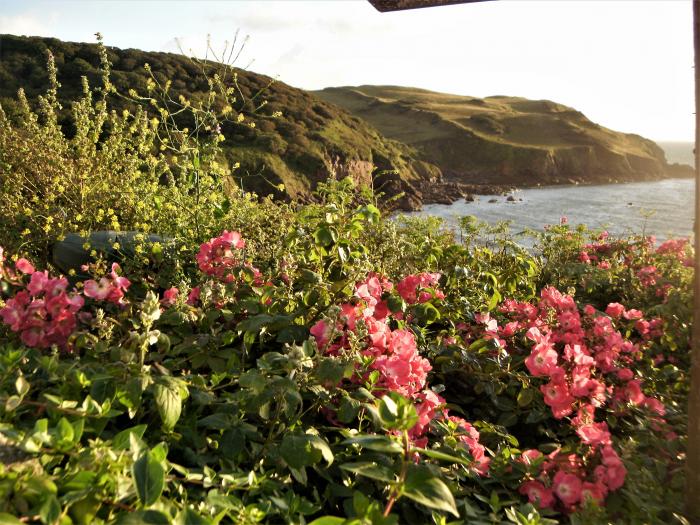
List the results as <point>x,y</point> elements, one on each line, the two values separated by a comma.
<point>449,192</point>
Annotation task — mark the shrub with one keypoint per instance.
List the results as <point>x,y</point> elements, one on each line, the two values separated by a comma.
<point>317,363</point>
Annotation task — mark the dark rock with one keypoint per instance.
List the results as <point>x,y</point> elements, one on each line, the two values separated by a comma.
<point>510,198</point>
<point>493,200</point>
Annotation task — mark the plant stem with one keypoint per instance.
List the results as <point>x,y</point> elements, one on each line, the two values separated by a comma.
<point>396,491</point>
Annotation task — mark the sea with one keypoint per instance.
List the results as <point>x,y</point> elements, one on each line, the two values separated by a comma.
<point>661,208</point>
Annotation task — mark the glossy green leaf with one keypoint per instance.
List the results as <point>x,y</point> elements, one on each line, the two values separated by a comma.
<point>122,442</point>
<point>370,469</point>
<point>328,520</point>
<point>50,510</point>
<point>442,456</point>
<point>190,517</point>
<point>375,442</point>
<point>169,404</point>
<point>423,487</point>
<point>149,478</point>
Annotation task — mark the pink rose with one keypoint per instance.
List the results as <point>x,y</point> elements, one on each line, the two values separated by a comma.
<point>615,310</point>
<point>538,494</point>
<point>24,266</point>
<point>567,487</point>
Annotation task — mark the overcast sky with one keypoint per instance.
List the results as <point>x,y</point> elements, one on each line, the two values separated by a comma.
<point>626,64</point>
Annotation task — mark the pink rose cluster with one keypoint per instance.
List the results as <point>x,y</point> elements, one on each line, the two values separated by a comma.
<point>419,288</point>
<point>393,353</point>
<point>170,297</point>
<point>221,254</point>
<point>563,479</point>
<point>604,253</point>
<point>469,436</point>
<point>111,288</point>
<point>587,365</point>
<point>679,248</point>
<point>484,327</point>
<point>43,313</point>
<point>593,252</point>
<point>222,259</point>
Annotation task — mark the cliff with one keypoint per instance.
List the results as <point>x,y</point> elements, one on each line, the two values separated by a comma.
<point>505,140</point>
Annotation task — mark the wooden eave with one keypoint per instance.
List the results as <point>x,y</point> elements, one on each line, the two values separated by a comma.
<point>402,5</point>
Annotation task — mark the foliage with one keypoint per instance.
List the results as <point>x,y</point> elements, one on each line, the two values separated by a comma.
<point>320,363</point>
<point>306,390</point>
<point>297,140</point>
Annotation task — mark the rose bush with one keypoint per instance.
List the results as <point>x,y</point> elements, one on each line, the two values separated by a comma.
<point>317,363</point>
<point>320,387</point>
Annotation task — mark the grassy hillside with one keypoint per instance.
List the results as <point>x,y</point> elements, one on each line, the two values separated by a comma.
<point>308,141</point>
<point>503,139</point>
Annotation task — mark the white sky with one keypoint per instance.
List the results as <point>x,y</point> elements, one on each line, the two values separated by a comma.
<point>626,64</point>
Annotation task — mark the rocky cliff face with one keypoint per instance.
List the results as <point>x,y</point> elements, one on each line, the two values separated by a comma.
<point>505,140</point>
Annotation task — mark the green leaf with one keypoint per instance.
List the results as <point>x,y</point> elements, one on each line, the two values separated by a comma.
<point>426,313</point>
<point>253,380</point>
<point>190,517</point>
<point>81,480</point>
<point>423,487</point>
<point>395,303</point>
<point>309,277</point>
<point>374,442</point>
<point>65,431</point>
<point>232,442</point>
<point>8,519</point>
<point>215,421</point>
<point>348,409</point>
<point>12,403</point>
<point>478,345</point>
<point>50,510</point>
<point>149,478</point>
<point>328,520</point>
<point>169,403</point>
<point>143,517</point>
<point>304,450</point>
<point>370,213</point>
<point>360,503</point>
<point>21,385</point>
<point>160,452</point>
<point>254,323</point>
<point>525,397</point>
<point>508,419</point>
<point>122,442</point>
<point>325,236</point>
<point>397,412</point>
<point>495,299</point>
<point>370,469</point>
<point>330,371</point>
<point>321,445</point>
<point>436,454</point>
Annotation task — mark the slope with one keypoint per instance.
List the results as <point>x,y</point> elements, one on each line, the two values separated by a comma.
<point>309,141</point>
<point>505,140</point>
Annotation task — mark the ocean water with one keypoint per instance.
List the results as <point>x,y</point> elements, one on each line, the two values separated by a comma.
<point>662,208</point>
